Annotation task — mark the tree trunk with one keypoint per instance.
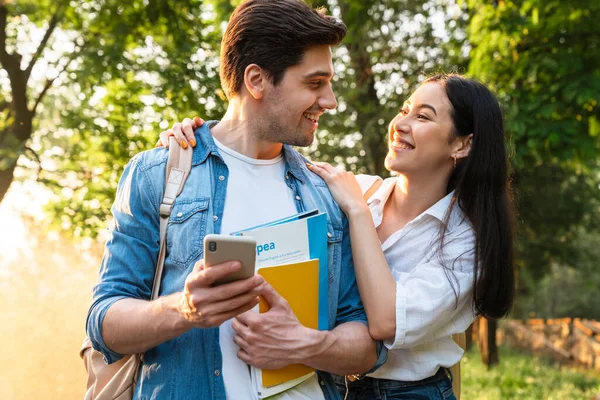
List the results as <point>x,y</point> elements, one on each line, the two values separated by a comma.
<point>6,178</point>
<point>487,341</point>
<point>14,137</point>
<point>12,146</point>
<point>469,335</point>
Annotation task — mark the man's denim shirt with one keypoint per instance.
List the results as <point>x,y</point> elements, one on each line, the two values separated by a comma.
<point>189,366</point>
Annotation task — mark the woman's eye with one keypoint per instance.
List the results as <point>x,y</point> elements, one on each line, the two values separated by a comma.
<point>404,111</point>
<point>423,116</point>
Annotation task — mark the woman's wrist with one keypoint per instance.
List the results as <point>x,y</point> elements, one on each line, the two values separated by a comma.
<point>358,210</point>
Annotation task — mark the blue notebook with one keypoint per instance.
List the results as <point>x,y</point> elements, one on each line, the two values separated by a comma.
<point>300,237</point>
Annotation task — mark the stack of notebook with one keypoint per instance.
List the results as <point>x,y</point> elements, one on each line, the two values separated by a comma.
<point>292,257</point>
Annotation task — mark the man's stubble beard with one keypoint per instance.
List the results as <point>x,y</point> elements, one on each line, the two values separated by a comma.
<point>271,128</point>
<point>275,132</point>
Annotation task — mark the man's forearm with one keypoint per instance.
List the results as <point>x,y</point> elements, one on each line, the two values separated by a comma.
<point>348,349</point>
<point>134,326</point>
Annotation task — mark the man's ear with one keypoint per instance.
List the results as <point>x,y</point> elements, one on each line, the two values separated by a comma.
<point>462,146</point>
<point>254,79</point>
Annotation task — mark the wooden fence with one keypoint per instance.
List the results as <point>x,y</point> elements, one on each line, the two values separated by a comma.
<point>566,339</point>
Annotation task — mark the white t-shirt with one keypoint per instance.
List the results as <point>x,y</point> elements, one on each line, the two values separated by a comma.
<point>426,315</point>
<point>256,193</point>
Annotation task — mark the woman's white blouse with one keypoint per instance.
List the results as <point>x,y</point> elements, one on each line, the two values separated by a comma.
<point>427,310</point>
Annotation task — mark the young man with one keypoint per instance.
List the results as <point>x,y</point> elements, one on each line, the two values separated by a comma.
<point>276,70</point>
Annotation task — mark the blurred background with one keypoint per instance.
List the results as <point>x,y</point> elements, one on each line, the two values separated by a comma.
<point>85,85</point>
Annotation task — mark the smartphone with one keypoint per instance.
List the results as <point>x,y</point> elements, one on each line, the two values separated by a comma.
<point>222,248</point>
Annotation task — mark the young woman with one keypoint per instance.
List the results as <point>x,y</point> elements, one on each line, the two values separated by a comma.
<point>433,246</point>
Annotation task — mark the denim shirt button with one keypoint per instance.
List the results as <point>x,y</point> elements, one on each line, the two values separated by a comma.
<point>329,235</point>
<point>179,215</point>
<point>217,373</point>
<point>215,218</point>
<point>322,383</point>
<point>297,197</point>
<point>221,178</point>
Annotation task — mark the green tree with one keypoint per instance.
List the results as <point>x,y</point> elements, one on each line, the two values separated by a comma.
<point>85,83</point>
<point>542,59</point>
<point>390,47</point>
<point>130,70</point>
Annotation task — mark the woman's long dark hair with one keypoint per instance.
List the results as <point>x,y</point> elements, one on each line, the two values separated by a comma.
<point>482,191</point>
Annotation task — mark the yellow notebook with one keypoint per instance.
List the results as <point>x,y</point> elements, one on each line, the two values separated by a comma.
<point>298,283</point>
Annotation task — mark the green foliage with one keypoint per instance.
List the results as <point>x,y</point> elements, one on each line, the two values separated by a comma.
<point>542,59</point>
<point>133,65</point>
<point>390,47</point>
<point>557,210</point>
<point>139,66</point>
<point>522,376</point>
<point>565,291</point>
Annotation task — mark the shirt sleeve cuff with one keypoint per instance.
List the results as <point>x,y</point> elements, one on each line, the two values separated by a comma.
<point>400,320</point>
<point>94,329</point>
<point>382,356</point>
<point>356,316</point>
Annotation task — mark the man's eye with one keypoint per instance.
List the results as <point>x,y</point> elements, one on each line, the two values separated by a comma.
<point>315,83</point>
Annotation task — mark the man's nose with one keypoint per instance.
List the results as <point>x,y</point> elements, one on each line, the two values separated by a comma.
<point>327,99</point>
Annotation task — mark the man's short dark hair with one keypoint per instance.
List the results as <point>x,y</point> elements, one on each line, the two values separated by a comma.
<point>273,34</point>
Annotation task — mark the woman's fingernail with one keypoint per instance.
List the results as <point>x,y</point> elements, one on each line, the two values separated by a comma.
<point>184,144</point>
<point>308,165</point>
<point>193,143</point>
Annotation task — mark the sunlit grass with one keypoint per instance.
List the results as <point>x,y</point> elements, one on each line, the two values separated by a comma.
<point>525,377</point>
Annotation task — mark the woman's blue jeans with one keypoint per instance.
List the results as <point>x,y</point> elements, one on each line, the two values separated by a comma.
<point>436,387</point>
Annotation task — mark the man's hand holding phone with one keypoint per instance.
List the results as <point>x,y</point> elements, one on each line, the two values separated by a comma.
<point>206,305</point>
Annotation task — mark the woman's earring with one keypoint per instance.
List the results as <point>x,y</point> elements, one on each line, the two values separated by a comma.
<point>454,156</point>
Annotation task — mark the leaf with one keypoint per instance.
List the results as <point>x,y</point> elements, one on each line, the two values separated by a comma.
<point>535,16</point>
<point>594,125</point>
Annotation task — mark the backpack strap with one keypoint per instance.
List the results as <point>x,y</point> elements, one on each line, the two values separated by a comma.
<point>371,191</point>
<point>179,165</point>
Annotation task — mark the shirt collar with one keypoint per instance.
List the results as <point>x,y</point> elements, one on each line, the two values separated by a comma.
<point>381,195</point>
<point>295,163</point>
<point>206,143</point>
<point>438,210</point>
